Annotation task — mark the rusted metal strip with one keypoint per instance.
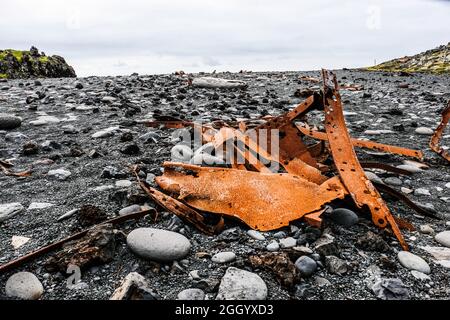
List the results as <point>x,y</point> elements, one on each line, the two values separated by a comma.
<point>58,244</point>
<point>437,136</point>
<point>306,130</point>
<point>400,196</point>
<point>5,167</point>
<point>263,201</point>
<point>352,174</point>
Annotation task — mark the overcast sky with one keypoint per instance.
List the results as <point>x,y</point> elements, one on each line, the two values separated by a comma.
<point>113,37</point>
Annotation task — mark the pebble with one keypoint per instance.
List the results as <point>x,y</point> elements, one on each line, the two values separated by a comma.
<point>158,245</point>
<point>239,284</point>
<point>108,99</point>
<point>393,181</point>
<point>108,132</point>
<point>181,153</point>
<point>224,257</point>
<point>9,122</point>
<point>420,276</point>
<point>9,210</point>
<point>424,131</point>
<point>18,241</point>
<point>409,168</point>
<point>373,177</point>
<point>130,209</point>
<point>443,238</point>
<point>123,183</point>
<point>413,262</point>
<point>273,246</point>
<point>67,215</point>
<point>24,285</point>
<point>44,120</point>
<point>406,190</point>
<point>16,137</point>
<point>280,235</point>
<point>191,294</point>
<point>59,174</point>
<point>206,159</point>
<point>344,217</point>
<point>321,282</point>
<point>40,205</point>
<point>426,229</point>
<point>288,243</point>
<point>422,192</point>
<point>306,266</point>
<point>390,289</point>
<point>256,235</point>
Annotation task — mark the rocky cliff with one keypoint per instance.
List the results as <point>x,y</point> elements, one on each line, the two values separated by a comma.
<point>15,64</point>
<point>433,61</point>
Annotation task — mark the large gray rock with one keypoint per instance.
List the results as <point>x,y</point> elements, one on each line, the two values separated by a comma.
<point>413,262</point>
<point>239,284</point>
<point>443,238</point>
<point>24,285</point>
<point>336,265</point>
<point>306,266</point>
<point>158,245</point>
<point>9,210</point>
<point>59,174</point>
<point>9,122</point>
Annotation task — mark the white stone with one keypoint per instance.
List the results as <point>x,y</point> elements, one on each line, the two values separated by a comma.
<point>105,132</point>
<point>420,276</point>
<point>158,245</point>
<point>224,257</point>
<point>60,174</point>
<point>40,205</point>
<point>210,82</point>
<point>239,284</point>
<point>9,210</point>
<point>43,120</point>
<point>413,262</point>
<point>288,243</point>
<point>422,192</point>
<point>67,214</point>
<point>426,229</point>
<point>406,190</point>
<point>24,285</point>
<point>409,168</point>
<point>130,209</point>
<point>443,238</point>
<point>424,131</point>
<point>191,294</point>
<point>256,235</point>
<point>273,246</point>
<point>123,183</point>
<point>18,241</point>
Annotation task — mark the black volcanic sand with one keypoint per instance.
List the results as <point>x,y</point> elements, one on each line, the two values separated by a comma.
<point>381,105</point>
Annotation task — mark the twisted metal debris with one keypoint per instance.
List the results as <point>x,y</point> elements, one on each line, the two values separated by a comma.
<point>268,197</point>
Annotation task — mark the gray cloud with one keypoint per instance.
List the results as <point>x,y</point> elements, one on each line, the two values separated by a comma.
<point>116,37</point>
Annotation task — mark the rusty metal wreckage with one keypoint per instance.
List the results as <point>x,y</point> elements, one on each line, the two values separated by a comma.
<point>267,200</point>
<point>263,197</point>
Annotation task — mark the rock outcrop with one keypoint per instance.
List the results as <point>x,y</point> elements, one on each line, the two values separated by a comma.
<point>16,64</point>
<point>433,61</point>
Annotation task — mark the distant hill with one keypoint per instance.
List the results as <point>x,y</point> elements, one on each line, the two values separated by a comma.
<point>433,61</point>
<point>16,64</point>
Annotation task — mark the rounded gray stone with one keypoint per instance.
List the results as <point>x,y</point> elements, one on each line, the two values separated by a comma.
<point>239,284</point>
<point>393,181</point>
<point>158,245</point>
<point>273,246</point>
<point>344,217</point>
<point>306,266</point>
<point>9,122</point>
<point>443,238</point>
<point>191,294</point>
<point>256,235</point>
<point>413,262</point>
<point>24,285</point>
<point>131,209</point>
<point>224,257</point>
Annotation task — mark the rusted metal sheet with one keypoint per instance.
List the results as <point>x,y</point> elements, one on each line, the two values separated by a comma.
<point>352,174</point>
<point>437,136</point>
<point>261,200</point>
<point>5,167</point>
<point>308,131</point>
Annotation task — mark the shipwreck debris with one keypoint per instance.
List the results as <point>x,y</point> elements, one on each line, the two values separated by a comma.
<point>435,139</point>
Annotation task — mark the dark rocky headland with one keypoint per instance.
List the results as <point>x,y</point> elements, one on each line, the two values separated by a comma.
<point>17,64</point>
